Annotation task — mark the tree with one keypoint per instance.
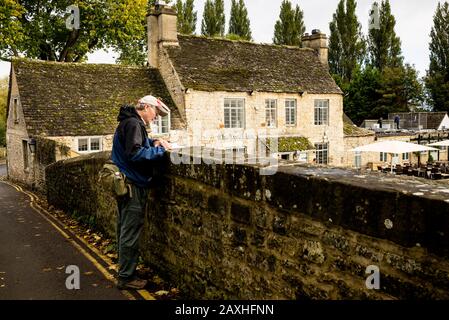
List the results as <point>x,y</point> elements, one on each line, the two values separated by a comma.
<point>186,17</point>
<point>372,94</point>
<point>346,43</point>
<point>400,89</point>
<point>239,23</point>
<point>437,78</point>
<point>363,94</point>
<point>299,24</point>
<point>384,46</point>
<point>213,23</point>
<point>42,33</point>
<point>290,27</point>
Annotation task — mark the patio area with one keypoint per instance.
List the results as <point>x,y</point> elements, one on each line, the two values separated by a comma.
<point>435,171</point>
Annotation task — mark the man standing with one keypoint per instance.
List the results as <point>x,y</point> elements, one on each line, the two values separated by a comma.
<point>135,154</point>
<point>379,122</point>
<point>396,121</point>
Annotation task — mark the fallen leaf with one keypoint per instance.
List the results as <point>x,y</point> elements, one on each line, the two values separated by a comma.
<point>94,285</point>
<point>88,273</point>
<point>37,235</point>
<point>161,293</point>
<point>113,267</point>
<point>60,268</point>
<point>46,269</point>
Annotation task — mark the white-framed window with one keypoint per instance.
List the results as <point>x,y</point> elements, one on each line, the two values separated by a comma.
<point>383,157</point>
<point>358,159</point>
<point>271,113</point>
<point>290,112</point>
<point>89,144</point>
<point>321,112</point>
<point>161,125</point>
<point>322,153</point>
<point>234,113</point>
<point>405,156</point>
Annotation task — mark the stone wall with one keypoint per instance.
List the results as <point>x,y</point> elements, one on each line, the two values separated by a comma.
<point>225,231</point>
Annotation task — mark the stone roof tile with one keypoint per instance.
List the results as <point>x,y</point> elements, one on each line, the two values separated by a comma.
<point>210,64</point>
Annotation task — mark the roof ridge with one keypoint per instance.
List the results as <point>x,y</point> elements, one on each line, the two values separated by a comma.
<point>245,42</point>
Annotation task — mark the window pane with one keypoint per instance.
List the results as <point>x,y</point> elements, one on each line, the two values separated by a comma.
<point>234,113</point>
<point>321,153</point>
<point>290,112</point>
<point>270,112</point>
<point>165,126</point>
<point>321,113</point>
<point>95,144</point>
<point>82,145</point>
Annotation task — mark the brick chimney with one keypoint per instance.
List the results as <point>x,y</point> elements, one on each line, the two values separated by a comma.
<point>162,30</point>
<point>318,42</point>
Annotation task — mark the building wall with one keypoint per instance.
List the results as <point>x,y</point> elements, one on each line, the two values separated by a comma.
<point>205,113</point>
<point>15,135</point>
<point>354,142</point>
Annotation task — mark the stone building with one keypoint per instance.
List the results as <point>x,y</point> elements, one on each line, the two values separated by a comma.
<point>60,110</point>
<point>228,87</point>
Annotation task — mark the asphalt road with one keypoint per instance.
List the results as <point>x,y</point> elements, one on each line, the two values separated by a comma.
<point>2,168</point>
<point>34,256</point>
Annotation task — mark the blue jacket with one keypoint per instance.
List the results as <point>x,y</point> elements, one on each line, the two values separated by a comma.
<point>132,151</point>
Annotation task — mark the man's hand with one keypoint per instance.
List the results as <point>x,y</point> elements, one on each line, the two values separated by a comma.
<point>163,143</point>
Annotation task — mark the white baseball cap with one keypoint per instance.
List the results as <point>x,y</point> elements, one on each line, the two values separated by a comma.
<point>163,110</point>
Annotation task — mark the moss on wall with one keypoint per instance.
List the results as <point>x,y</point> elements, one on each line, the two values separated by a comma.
<point>287,144</point>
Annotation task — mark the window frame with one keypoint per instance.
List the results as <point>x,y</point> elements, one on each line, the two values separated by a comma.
<point>320,152</point>
<point>294,113</point>
<point>268,112</point>
<point>383,156</point>
<point>89,144</point>
<point>158,124</point>
<point>358,159</point>
<point>238,110</point>
<point>318,114</point>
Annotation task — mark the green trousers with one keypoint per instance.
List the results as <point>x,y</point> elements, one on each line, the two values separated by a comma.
<point>131,213</point>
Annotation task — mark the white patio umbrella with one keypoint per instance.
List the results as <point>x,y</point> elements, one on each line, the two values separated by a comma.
<point>444,143</point>
<point>393,147</point>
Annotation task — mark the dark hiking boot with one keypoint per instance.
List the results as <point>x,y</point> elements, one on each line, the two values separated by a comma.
<point>135,284</point>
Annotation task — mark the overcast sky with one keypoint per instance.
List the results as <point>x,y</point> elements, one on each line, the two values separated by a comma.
<point>414,20</point>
